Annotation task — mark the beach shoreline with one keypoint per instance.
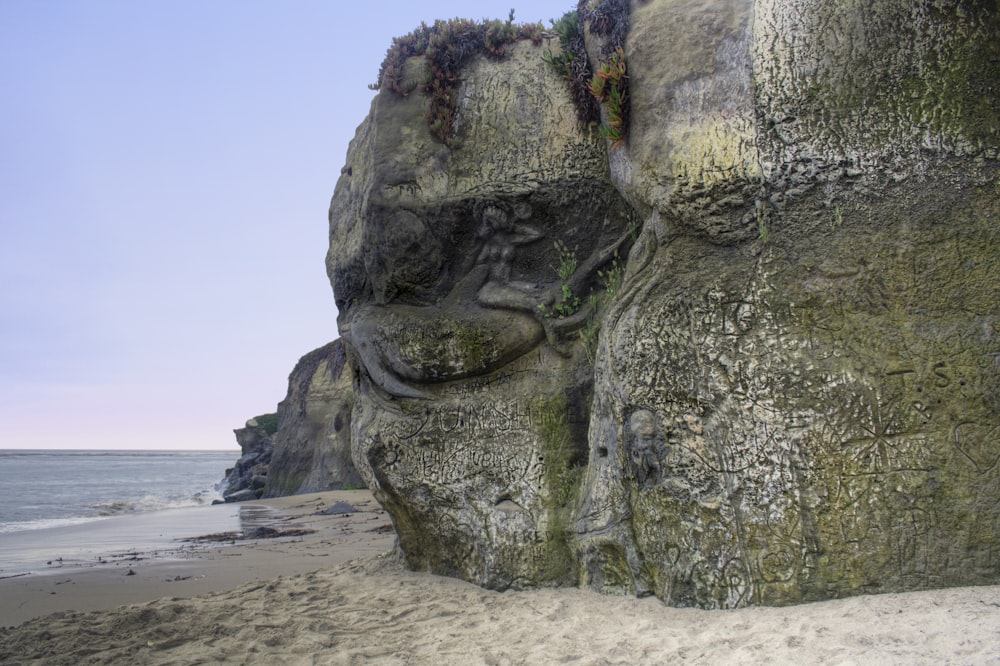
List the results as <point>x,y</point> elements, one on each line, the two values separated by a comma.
<point>108,571</point>
<point>334,594</point>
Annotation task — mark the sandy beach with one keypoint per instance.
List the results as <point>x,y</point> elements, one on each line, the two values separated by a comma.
<point>322,588</point>
<point>320,530</point>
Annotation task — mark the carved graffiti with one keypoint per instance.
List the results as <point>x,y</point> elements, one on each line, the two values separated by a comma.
<point>837,418</point>
<point>451,445</point>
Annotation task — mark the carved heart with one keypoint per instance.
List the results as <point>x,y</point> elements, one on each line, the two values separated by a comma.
<point>979,444</point>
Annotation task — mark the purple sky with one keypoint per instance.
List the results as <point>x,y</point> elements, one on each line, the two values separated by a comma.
<point>165,173</point>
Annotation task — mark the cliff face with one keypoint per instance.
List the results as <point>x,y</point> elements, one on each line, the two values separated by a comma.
<point>746,357</point>
<point>312,446</point>
<point>795,389</point>
<point>307,448</point>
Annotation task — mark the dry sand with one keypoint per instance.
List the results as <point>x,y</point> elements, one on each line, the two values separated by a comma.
<point>336,597</point>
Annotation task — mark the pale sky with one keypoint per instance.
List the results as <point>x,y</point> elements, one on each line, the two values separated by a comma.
<point>165,173</point>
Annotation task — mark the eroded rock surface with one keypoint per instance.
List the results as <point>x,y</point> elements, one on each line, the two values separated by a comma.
<point>796,391</point>
<point>795,394</point>
<point>312,446</point>
<point>305,447</point>
<point>474,384</point>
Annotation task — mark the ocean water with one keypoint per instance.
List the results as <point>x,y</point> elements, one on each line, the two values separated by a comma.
<point>47,489</point>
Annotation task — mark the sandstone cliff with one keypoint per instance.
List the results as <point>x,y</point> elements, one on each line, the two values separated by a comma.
<point>312,446</point>
<point>308,449</point>
<point>744,351</point>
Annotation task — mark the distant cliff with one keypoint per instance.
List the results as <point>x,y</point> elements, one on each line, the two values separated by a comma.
<point>308,449</point>
<point>246,479</point>
<point>734,344</point>
<point>312,447</point>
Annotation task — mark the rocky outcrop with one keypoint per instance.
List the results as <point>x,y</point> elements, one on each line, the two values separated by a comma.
<point>748,356</point>
<point>464,319</point>
<point>305,447</point>
<point>312,446</point>
<point>248,477</point>
<point>796,390</point>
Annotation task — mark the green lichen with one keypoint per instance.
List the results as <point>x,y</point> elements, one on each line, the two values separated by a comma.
<point>681,546</point>
<point>958,94</point>
<point>900,450</point>
<point>563,474</point>
<point>473,346</point>
<point>615,568</point>
<point>918,76</point>
<point>289,485</point>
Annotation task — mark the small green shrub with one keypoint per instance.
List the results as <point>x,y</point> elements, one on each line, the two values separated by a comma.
<point>612,278</point>
<point>499,35</point>
<point>568,302</point>
<point>566,29</point>
<point>267,422</point>
<point>533,32</point>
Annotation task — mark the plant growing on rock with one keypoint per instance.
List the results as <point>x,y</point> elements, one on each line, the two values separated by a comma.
<point>572,64</point>
<point>605,18</point>
<point>498,36</point>
<point>608,19</point>
<point>610,87</point>
<point>447,45</point>
<point>447,50</point>
<point>267,422</point>
<point>611,279</point>
<point>533,32</point>
<point>568,302</point>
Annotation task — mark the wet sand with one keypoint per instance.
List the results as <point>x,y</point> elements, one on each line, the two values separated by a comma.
<point>74,571</point>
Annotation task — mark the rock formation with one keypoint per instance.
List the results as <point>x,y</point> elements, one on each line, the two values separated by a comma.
<point>248,477</point>
<point>747,356</point>
<point>474,385</point>
<point>309,447</point>
<point>312,446</point>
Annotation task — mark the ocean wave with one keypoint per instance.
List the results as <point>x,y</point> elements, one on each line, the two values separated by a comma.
<point>52,488</point>
<point>102,510</point>
<point>153,503</point>
<point>46,523</point>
